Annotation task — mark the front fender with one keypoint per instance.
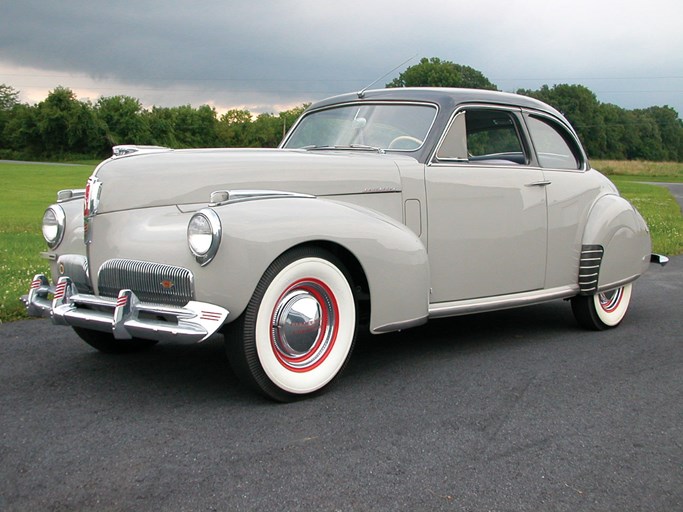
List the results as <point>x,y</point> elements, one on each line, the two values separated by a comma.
<point>255,233</point>
<point>70,253</point>
<point>616,226</point>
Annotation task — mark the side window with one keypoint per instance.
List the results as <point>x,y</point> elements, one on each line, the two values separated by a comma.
<point>483,135</point>
<point>554,149</point>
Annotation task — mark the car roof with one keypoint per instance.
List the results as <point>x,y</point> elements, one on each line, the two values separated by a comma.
<point>445,97</point>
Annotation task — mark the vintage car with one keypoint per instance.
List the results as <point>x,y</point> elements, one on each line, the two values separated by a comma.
<point>380,210</point>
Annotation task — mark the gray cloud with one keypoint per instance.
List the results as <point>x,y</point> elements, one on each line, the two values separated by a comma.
<point>269,53</point>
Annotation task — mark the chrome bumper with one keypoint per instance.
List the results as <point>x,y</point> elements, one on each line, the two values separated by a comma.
<point>125,316</point>
<point>659,259</point>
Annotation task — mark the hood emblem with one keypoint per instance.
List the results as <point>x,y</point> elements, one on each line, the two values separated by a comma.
<point>167,285</point>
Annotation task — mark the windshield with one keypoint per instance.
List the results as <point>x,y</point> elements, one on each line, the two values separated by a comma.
<point>378,127</point>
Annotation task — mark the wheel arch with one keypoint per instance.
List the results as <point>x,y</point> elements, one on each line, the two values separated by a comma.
<point>386,261</point>
<point>359,281</point>
<point>616,241</point>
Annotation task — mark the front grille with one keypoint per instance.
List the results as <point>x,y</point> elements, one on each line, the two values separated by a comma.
<point>589,268</point>
<point>151,282</point>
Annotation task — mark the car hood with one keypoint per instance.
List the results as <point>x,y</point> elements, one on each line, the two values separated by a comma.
<point>181,177</point>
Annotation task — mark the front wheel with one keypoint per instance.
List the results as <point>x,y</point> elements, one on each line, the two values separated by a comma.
<point>299,328</point>
<point>602,310</point>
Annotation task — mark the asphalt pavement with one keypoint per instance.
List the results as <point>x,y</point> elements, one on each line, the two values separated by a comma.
<point>518,410</point>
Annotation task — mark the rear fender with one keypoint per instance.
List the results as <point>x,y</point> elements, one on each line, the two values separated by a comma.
<point>255,233</point>
<point>616,226</point>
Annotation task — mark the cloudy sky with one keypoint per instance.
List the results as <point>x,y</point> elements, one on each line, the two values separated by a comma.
<point>271,55</point>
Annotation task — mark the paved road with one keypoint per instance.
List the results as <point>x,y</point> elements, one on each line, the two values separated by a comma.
<point>676,190</point>
<point>510,411</point>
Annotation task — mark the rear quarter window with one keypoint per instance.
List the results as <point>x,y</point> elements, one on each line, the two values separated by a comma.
<point>555,148</point>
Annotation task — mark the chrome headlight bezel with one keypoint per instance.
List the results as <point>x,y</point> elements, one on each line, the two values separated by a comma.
<point>54,225</point>
<point>204,233</point>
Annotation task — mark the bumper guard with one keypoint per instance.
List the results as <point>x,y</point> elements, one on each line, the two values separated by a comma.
<point>125,316</point>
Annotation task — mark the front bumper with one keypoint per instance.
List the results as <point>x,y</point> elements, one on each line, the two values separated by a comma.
<point>126,316</point>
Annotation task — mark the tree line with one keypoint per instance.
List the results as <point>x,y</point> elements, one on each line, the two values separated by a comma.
<point>63,127</point>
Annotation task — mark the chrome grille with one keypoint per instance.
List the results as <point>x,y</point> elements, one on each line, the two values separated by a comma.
<point>151,282</point>
<point>589,267</point>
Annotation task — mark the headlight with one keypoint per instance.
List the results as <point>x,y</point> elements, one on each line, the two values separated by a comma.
<point>204,235</point>
<point>54,222</point>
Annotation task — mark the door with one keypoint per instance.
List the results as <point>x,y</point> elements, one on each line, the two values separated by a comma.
<point>487,210</point>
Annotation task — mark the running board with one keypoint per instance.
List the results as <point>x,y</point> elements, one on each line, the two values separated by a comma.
<point>516,300</point>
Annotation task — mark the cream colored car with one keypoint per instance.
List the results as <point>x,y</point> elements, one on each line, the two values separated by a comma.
<point>380,210</point>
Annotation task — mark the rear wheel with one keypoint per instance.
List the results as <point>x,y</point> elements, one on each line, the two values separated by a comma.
<point>105,342</point>
<point>602,310</point>
<point>299,328</point>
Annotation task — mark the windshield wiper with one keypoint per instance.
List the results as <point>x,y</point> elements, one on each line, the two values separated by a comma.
<point>363,147</point>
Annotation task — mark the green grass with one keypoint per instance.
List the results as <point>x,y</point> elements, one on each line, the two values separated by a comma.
<point>661,211</point>
<point>655,203</point>
<point>641,170</point>
<point>27,189</point>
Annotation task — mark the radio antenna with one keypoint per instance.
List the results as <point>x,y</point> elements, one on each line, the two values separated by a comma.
<point>361,93</point>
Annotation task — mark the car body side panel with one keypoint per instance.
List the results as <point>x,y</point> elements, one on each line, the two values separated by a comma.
<point>571,195</point>
<point>618,227</point>
<point>487,230</point>
<point>255,233</point>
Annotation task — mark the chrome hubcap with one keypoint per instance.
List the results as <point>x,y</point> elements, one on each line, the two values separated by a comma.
<point>297,324</point>
<point>304,325</point>
<point>610,301</point>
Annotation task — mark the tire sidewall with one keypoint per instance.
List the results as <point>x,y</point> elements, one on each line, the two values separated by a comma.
<point>611,318</point>
<point>311,380</point>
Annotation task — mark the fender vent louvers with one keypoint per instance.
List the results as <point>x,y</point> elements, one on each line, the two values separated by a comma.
<point>589,268</point>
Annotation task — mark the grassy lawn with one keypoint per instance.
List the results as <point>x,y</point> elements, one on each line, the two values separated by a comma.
<point>27,189</point>
<point>654,202</point>
<point>650,171</point>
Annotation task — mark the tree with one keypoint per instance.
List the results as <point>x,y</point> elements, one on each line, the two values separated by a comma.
<point>66,125</point>
<point>123,120</point>
<point>161,124</point>
<point>670,129</point>
<point>581,107</point>
<point>20,134</point>
<point>8,100</point>
<point>233,128</point>
<point>617,131</point>
<point>195,128</point>
<point>437,73</point>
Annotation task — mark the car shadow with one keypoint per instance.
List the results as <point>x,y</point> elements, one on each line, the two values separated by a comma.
<point>202,371</point>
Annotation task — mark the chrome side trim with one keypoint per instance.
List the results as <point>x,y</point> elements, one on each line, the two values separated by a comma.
<point>515,300</point>
<point>130,149</point>
<point>221,197</point>
<point>125,316</point>
<point>69,194</point>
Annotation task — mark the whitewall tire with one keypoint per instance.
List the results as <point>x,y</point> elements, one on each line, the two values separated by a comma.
<point>602,310</point>
<point>299,328</point>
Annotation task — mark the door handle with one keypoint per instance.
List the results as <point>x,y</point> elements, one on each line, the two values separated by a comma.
<point>541,183</point>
